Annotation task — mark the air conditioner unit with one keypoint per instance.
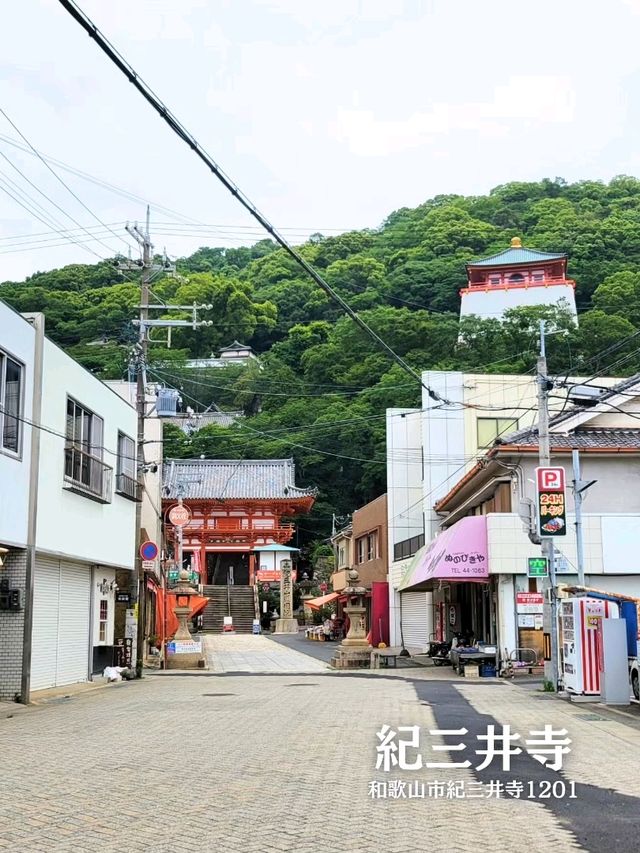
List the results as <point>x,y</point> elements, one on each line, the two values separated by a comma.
<point>586,395</point>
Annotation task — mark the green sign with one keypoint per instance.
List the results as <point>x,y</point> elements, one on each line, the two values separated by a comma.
<point>174,575</point>
<point>537,567</point>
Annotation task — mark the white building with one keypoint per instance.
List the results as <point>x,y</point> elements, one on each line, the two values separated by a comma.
<point>515,278</point>
<point>67,510</point>
<point>428,451</point>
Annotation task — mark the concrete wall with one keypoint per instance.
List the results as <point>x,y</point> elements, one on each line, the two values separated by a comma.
<point>69,524</point>
<point>151,509</point>
<point>17,340</point>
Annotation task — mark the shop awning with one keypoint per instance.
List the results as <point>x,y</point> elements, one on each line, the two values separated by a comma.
<point>317,603</point>
<point>459,554</point>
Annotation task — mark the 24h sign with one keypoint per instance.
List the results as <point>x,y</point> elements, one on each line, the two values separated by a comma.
<point>552,518</point>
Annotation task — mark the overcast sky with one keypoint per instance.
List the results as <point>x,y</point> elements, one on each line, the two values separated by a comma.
<point>330,114</point>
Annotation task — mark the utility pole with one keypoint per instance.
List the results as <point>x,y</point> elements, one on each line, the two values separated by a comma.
<point>144,241</point>
<point>579,487</point>
<point>550,621</point>
<point>149,270</point>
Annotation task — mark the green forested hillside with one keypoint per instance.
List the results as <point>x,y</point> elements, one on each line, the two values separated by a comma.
<point>323,387</point>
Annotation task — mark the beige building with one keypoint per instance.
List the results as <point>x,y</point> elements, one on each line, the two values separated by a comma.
<point>363,546</point>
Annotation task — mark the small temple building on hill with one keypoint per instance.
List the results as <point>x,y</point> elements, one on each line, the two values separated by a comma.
<point>236,533</point>
<point>515,278</point>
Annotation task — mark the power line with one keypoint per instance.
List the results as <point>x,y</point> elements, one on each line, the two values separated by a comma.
<point>48,198</point>
<point>179,129</point>
<point>65,185</point>
<point>40,218</point>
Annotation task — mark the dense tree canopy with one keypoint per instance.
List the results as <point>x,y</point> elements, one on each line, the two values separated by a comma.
<point>321,388</point>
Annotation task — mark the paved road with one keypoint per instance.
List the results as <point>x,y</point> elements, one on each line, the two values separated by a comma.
<point>260,762</point>
<point>312,648</point>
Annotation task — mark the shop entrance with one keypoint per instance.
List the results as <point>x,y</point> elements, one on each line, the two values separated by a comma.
<point>467,609</point>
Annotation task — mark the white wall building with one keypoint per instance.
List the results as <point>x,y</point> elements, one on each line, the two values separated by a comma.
<point>428,451</point>
<point>69,522</point>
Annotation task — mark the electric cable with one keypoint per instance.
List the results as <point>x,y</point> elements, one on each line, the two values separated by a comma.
<point>181,131</point>
<point>65,185</point>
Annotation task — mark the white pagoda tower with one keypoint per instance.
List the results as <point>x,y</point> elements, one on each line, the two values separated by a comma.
<point>514,278</point>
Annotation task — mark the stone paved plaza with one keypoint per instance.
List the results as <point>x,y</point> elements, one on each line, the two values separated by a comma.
<point>283,761</point>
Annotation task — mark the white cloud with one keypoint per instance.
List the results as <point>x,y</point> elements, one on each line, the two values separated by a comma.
<point>533,98</point>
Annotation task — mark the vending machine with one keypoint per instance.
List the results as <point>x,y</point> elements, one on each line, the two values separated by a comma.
<point>581,641</point>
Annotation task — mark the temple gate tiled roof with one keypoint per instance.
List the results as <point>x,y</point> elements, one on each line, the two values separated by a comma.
<point>228,479</point>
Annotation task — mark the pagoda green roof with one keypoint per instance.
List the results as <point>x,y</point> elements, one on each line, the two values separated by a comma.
<point>517,254</point>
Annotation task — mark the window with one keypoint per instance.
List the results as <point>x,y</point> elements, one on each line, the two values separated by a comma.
<point>372,545</point>
<point>495,279</point>
<point>537,275</point>
<point>408,547</point>
<point>341,556</point>
<point>361,549</point>
<point>84,470</point>
<point>491,428</point>
<point>516,278</point>
<point>104,620</point>
<point>126,482</point>
<point>10,403</point>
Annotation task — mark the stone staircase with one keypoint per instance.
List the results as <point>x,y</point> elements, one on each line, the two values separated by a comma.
<point>243,609</point>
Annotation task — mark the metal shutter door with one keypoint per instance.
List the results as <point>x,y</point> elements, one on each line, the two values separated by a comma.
<point>415,619</point>
<point>44,644</point>
<point>73,629</point>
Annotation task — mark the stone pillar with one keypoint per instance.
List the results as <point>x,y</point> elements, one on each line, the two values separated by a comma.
<point>286,624</point>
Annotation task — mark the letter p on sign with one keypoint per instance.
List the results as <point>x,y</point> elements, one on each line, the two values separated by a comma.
<point>550,479</point>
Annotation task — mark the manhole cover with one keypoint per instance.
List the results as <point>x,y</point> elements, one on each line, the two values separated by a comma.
<point>590,717</point>
<point>218,694</point>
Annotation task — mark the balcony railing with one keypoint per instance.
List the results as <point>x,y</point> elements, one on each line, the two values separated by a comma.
<point>87,475</point>
<point>128,487</point>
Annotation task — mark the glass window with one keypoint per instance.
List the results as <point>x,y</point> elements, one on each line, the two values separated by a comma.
<point>516,278</point>
<point>10,403</point>
<point>362,549</point>
<point>126,455</point>
<point>372,546</point>
<point>491,428</point>
<point>104,619</point>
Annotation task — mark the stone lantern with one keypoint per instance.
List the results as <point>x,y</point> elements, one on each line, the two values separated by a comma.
<point>354,651</point>
<point>187,654</point>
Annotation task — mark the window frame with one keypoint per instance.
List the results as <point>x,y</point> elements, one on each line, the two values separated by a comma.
<point>84,453</point>
<point>497,432</point>
<point>103,622</point>
<point>5,357</point>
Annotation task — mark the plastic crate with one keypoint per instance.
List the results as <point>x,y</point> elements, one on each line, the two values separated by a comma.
<point>488,670</point>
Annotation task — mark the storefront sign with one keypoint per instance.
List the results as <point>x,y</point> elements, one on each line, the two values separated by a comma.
<point>179,515</point>
<point>273,575</point>
<point>537,567</point>
<point>123,597</point>
<point>123,652</point>
<point>184,647</point>
<point>550,487</point>
<point>529,602</point>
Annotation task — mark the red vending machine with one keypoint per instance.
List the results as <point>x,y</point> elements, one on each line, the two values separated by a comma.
<point>581,641</point>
